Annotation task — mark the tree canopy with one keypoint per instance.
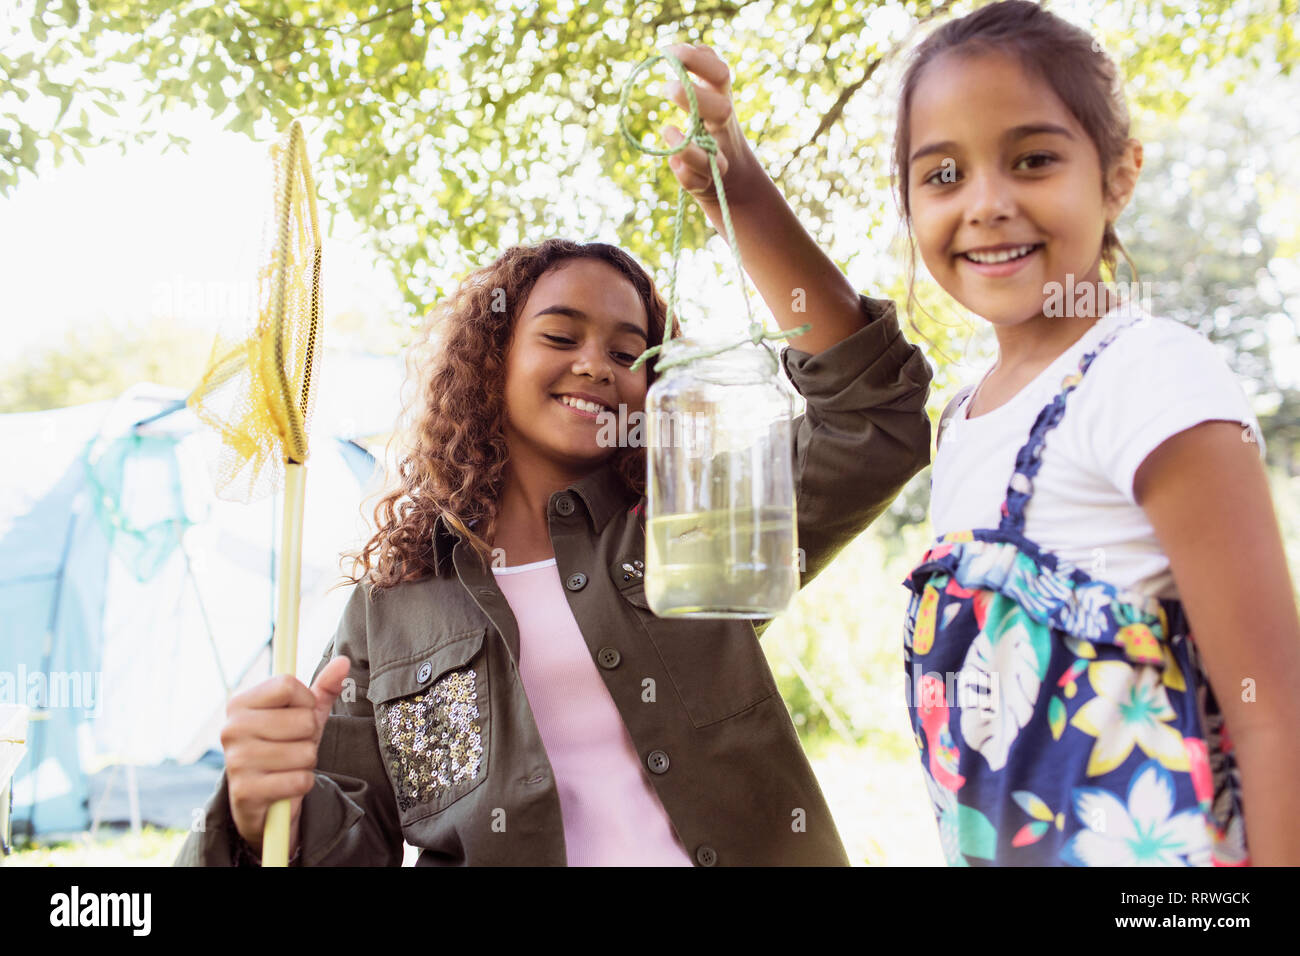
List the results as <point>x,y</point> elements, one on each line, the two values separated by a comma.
<point>448,126</point>
<point>450,130</point>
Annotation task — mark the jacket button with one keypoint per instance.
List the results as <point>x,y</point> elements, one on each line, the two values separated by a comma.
<point>577,581</point>
<point>564,505</point>
<point>706,856</point>
<point>657,761</point>
<point>608,657</point>
<point>423,673</point>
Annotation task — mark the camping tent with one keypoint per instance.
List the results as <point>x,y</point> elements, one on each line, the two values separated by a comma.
<point>132,601</point>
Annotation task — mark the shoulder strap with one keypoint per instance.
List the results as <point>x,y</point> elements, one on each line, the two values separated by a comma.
<point>1030,456</point>
<point>950,410</point>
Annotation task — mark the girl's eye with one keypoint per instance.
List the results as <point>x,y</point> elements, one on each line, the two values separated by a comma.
<point>941,176</point>
<point>559,340</point>
<point>1047,157</point>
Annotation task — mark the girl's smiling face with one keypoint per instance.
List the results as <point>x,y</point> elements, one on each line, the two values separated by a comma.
<point>999,166</point>
<point>580,328</point>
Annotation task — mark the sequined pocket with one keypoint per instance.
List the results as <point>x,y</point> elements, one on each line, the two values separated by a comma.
<point>431,715</point>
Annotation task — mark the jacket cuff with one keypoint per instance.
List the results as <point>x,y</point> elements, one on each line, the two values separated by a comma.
<point>213,844</point>
<point>862,370</point>
<point>327,823</point>
<point>219,842</point>
<point>244,855</point>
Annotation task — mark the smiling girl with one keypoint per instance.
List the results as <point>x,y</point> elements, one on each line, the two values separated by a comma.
<point>498,691</point>
<point>1097,494</point>
<point>1108,593</point>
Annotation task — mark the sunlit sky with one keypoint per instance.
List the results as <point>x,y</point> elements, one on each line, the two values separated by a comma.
<point>124,238</point>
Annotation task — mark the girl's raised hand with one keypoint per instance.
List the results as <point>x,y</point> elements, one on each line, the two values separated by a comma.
<point>736,161</point>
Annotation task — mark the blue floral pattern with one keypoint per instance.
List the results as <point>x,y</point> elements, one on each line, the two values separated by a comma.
<point>1062,719</point>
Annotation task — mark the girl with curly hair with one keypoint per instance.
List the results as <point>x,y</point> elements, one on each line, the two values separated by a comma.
<point>498,691</point>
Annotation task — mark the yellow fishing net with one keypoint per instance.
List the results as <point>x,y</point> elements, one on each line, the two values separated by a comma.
<point>257,391</point>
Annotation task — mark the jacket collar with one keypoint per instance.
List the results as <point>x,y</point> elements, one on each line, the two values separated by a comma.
<point>602,491</point>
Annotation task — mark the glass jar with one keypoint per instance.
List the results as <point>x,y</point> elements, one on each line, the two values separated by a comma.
<point>720,495</point>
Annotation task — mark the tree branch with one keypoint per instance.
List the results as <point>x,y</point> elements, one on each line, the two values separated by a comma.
<point>285,25</point>
<point>789,72</point>
<point>832,116</point>
<point>678,15</point>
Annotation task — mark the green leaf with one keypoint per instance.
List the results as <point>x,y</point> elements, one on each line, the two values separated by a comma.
<point>217,100</point>
<point>65,100</point>
<point>979,838</point>
<point>1056,717</point>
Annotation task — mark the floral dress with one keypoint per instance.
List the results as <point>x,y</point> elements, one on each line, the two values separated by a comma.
<point>1061,719</point>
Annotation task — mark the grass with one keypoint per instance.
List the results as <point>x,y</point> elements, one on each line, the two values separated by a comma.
<point>111,847</point>
<point>878,802</point>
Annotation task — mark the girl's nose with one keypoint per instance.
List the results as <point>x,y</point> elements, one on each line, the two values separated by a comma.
<point>990,200</point>
<point>594,365</point>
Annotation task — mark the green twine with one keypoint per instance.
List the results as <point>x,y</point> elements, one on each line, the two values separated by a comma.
<point>696,134</point>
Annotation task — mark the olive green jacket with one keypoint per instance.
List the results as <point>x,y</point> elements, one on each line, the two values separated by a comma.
<point>698,698</point>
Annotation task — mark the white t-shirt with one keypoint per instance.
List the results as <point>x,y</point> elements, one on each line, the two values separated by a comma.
<point>1154,380</point>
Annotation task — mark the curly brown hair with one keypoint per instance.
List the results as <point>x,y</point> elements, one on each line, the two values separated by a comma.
<point>454,451</point>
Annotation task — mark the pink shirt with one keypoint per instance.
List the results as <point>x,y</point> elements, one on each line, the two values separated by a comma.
<point>612,815</point>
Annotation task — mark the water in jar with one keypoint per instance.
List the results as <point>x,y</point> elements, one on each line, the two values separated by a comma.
<point>742,561</point>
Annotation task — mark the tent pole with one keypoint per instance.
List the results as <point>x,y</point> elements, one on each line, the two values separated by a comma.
<point>133,798</point>
<point>103,798</point>
<point>174,406</point>
<point>203,613</point>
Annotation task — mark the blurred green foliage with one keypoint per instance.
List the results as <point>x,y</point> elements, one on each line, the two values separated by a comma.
<point>441,121</point>
<point>100,362</point>
<point>1209,231</point>
<point>152,846</point>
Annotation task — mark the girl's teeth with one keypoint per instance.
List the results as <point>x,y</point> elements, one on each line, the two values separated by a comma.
<point>582,405</point>
<point>1005,255</point>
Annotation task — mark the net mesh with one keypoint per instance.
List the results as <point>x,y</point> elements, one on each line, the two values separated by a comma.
<point>257,390</point>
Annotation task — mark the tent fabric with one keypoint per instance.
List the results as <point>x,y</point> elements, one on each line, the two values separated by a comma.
<point>145,526</point>
<point>120,667</point>
<point>51,598</point>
